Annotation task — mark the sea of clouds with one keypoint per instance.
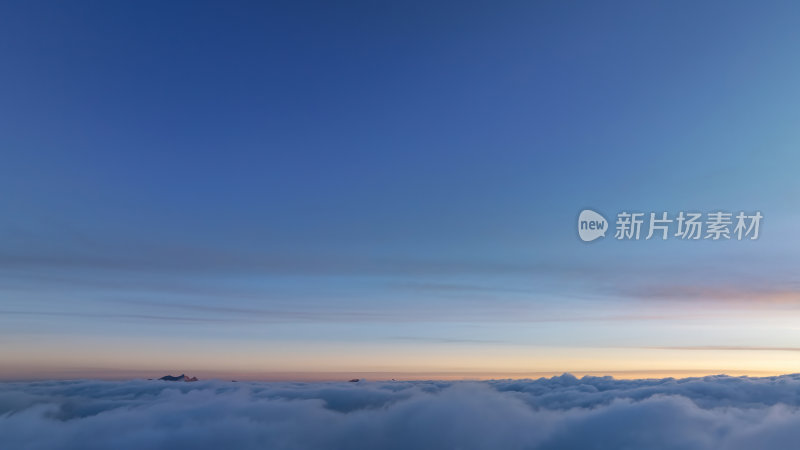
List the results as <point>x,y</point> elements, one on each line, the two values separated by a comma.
<point>562,412</point>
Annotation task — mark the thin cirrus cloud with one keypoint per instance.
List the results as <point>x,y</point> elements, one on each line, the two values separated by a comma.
<point>735,348</point>
<point>184,313</point>
<point>762,293</point>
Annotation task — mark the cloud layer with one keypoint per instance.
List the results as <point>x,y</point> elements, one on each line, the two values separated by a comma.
<point>717,412</point>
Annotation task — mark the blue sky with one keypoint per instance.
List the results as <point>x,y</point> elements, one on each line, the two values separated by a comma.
<point>301,187</point>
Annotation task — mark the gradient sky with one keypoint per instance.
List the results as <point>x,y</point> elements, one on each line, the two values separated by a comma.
<point>302,189</point>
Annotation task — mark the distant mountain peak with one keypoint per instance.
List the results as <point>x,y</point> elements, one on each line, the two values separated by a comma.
<point>181,377</point>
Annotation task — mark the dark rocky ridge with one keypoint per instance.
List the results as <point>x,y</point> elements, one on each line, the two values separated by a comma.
<point>180,377</point>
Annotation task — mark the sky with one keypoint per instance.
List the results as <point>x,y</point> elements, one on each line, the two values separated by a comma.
<point>313,190</point>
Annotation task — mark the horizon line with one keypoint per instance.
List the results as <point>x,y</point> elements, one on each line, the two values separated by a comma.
<point>333,376</point>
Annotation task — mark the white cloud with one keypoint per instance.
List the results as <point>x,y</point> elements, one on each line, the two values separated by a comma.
<point>555,413</point>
